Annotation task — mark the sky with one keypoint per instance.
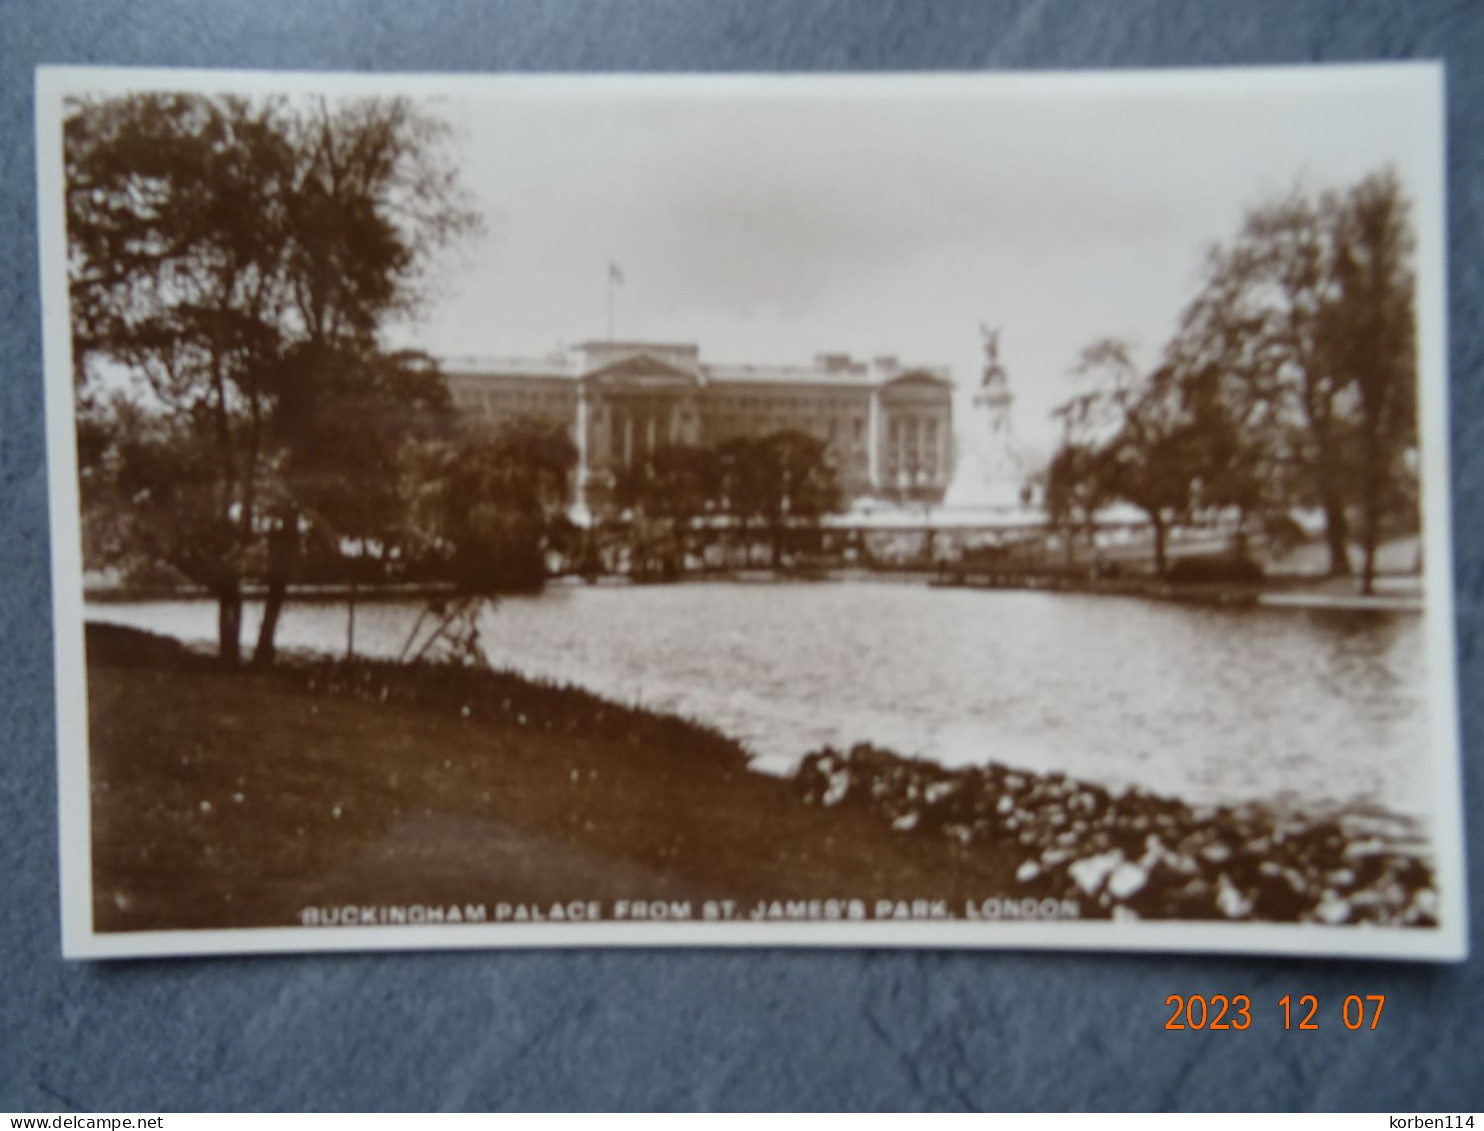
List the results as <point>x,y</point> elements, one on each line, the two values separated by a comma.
<point>767,220</point>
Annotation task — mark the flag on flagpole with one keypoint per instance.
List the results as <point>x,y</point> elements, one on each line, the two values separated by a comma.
<point>615,274</point>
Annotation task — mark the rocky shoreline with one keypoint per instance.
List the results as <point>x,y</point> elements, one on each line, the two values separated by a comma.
<point>1133,854</point>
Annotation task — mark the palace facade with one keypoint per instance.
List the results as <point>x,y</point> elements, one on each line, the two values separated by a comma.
<point>887,427</point>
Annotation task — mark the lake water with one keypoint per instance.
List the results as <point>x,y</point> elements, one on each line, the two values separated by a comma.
<point>1208,704</point>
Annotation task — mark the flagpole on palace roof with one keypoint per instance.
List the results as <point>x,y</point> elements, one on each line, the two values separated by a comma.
<point>615,279</point>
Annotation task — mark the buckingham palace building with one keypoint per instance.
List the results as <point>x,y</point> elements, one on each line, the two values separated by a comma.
<point>887,427</point>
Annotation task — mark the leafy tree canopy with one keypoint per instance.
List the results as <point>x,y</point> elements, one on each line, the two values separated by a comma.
<point>233,266</point>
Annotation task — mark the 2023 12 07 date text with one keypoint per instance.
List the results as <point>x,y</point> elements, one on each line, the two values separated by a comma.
<point>1304,1013</point>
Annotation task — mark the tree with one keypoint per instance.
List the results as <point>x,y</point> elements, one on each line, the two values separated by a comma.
<point>1075,480</point>
<point>351,421</point>
<point>1073,493</point>
<point>1290,383</point>
<point>1254,334</point>
<point>1301,346</point>
<point>779,482</point>
<point>1150,467</point>
<point>742,485</point>
<point>224,254</point>
<point>1128,438</point>
<point>1368,334</point>
<point>171,287</point>
<point>797,485</point>
<point>665,493</point>
<point>150,499</point>
<point>1237,462</point>
<point>490,502</point>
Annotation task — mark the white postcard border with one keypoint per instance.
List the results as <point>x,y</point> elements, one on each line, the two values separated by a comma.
<point>1421,82</point>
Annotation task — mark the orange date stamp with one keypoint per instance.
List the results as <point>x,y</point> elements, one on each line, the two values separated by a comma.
<point>1234,1011</point>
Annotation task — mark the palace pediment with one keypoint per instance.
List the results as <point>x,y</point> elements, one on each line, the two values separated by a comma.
<point>917,385</point>
<point>917,378</point>
<point>640,371</point>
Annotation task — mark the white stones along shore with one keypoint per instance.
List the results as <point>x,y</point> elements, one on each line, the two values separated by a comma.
<point>1134,854</point>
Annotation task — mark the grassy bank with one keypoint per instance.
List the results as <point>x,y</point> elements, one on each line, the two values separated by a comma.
<point>227,799</point>
<point>240,798</point>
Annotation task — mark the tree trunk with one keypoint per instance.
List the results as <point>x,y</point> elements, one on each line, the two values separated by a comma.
<point>229,625</point>
<point>1369,539</point>
<point>282,544</point>
<point>267,648</point>
<point>1337,536</point>
<point>1159,544</point>
<point>350,622</point>
<point>1372,509</point>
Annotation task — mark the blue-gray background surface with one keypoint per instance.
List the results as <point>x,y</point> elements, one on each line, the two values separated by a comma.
<point>689,1029</point>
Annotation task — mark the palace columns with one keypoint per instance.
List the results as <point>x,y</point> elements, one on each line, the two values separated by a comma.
<point>873,431</point>
<point>583,465</point>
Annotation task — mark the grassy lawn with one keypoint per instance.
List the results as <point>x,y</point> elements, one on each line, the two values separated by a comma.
<point>233,799</point>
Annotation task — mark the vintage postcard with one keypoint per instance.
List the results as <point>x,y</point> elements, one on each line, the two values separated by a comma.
<point>921,510</point>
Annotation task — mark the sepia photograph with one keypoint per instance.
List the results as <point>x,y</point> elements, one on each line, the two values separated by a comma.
<point>896,510</point>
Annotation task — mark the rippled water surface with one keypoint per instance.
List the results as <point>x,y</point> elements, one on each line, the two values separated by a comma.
<point>1210,704</point>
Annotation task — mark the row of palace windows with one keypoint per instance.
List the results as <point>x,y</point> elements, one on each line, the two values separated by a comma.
<point>913,431</point>
<point>835,429</point>
<point>906,433</point>
<point>785,404</point>
<point>628,433</point>
<point>474,397</point>
<point>495,400</point>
